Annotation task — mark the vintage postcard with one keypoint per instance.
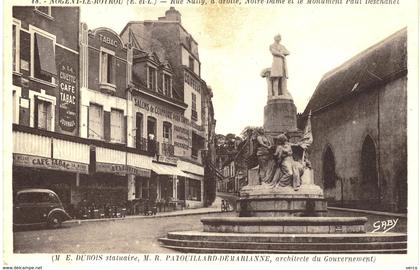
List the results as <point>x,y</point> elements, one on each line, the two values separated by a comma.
<point>196,133</point>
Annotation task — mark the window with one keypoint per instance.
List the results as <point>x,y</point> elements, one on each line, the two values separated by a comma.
<point>117,126</point>
<point>194,190</point>
<point>16,45</point>
<point>151,126</point>
<point>369,167</point>
<point>151,78</point>
<point>167,132</point>
<point>45,10</point>
<point>44,114</point>
<point>328,169</point>
<point>194,116</point>
<point>151,135</point>
<point>197,144</point>
<point>167,85</point>
<point>191,63</point>
<point>140,141</point>
<point>15,110</point>
<point>96,122</point>
<point>107,71</point>
<point>188,41</point>
<point>43,56</point>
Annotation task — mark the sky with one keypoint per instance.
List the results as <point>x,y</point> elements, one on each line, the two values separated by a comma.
<point>234,46</point>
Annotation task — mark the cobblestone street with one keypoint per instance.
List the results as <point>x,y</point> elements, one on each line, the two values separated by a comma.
<point>113,236</point>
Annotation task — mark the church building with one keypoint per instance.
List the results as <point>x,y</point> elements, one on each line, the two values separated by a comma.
<point>359,125</point>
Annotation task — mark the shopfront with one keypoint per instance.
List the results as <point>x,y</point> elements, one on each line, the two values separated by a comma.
<point>193,186</point>
<point>40,161</point>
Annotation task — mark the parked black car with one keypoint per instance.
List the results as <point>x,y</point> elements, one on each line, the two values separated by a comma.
<point>38,207</point>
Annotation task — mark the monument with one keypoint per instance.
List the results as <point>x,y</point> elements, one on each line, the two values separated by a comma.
<point>281,210</point>
<point>282,184</point>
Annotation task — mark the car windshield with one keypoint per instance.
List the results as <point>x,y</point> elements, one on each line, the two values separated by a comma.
<point>37,197</point>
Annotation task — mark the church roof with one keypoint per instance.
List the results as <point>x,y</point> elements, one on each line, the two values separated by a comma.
<point>377,65</point>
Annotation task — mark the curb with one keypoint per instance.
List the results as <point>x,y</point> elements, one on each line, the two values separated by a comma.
<point>169,214</point>
<point>370,212</point>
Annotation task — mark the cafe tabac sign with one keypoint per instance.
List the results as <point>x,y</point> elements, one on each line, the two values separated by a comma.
<point>68,94</point>
<point>49,163</point>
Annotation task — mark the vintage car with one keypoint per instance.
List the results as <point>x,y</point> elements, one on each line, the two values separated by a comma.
<point>38,206</point>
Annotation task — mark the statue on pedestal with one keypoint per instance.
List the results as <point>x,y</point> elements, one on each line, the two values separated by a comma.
<point>278,73</point>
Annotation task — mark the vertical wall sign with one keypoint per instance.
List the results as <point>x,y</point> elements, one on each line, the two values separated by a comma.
<point>68,93</point>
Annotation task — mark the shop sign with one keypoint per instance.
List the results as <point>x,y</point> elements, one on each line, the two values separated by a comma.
<point>182,127</point>
<point>121,169</point>
<point>160,111</point>
<point>108,38</point>
<point>49,163</point>
<point>68,97</point>
<point>166,159</point>
<point>182,137</point>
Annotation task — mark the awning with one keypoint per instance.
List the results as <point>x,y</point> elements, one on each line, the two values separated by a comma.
<point>46,54</point>
<point>167,170</point>
<point>193,176</point>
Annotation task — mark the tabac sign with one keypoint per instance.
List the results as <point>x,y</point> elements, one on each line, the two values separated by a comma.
<point>108,38</point>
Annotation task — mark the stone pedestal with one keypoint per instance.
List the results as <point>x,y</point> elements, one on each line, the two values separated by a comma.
<point>279,116</point>
<point>264,201</point>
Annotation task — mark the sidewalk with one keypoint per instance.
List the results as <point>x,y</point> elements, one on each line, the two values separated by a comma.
<point>214,208</point>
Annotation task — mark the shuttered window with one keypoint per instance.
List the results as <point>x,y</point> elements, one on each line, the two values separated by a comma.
<point>96,122</point>
<point>117,126</point>
<point>44,114</point>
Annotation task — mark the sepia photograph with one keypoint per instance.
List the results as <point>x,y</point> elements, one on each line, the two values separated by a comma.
<point>278,132</point>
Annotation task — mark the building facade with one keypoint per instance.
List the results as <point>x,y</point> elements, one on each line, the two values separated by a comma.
<point>96,117</point>
<point>46,97</point>
<point>172,103</point>
<point>359,125</point>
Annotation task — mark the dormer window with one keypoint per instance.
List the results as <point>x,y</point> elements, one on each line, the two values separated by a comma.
<point>151,77</point>
<point>167,85</point>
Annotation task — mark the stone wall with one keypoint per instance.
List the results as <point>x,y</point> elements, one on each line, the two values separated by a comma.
<point>344,126</point>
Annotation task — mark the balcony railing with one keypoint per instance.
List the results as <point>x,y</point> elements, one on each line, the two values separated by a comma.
<point>155,147</point>
<point>141,143</point>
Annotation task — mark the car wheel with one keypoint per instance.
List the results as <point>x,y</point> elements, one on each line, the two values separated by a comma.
<point>55,221</point>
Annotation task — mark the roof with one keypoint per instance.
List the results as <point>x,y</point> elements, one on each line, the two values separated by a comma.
<point>384,61</point>
<point>143,40</point>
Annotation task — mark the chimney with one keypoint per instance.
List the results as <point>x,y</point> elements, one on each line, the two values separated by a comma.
<point>173,15</point>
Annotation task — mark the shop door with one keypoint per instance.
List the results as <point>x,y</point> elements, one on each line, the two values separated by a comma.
<point>181,189</point>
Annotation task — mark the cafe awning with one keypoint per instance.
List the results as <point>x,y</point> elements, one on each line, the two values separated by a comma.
<point>167,170</point>
<point>193,176</point>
